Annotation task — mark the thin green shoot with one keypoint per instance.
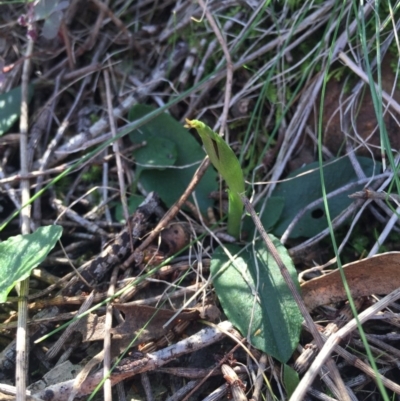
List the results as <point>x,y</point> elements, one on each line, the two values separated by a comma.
<point>227,164</point>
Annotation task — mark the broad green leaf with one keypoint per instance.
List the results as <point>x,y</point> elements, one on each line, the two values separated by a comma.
<point>10,107</point>
<point>158,153</point>
<point>271,213</point>
<point>256,299</point>
<point>306,188</point>
<point>171,181</point>
<point>290,380</point>
<point>22,253</point>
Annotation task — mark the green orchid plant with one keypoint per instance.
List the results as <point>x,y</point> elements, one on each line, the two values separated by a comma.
<point>227,164</point>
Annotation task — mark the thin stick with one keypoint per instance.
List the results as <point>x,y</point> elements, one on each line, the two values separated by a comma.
<point>173,211</point>
<point>22,348</point>
<point>229,66</point>
<point>371,194</point>
<point>116,150</point>
<point>107,337</point>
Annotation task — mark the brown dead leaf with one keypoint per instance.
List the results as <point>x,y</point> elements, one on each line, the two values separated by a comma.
<point>377,275</point>
<point>174,238</point>
<point>92,328</point>
<point>137,316</point>
<point>154,319</point>
<point>150,319</point>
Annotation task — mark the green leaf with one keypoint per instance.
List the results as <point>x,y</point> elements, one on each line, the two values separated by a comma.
<point>306,188</point>
<point>171,181</point>
<point>271,213</point>
<point>10,107</point>
<point>158,153</point>
<point>256,299</point>
<point>22,253</point>
<point>290,380</point>
<point>227,164</point>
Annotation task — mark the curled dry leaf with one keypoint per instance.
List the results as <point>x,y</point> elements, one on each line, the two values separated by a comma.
<point>379,274</point>
<point>174,238</point>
